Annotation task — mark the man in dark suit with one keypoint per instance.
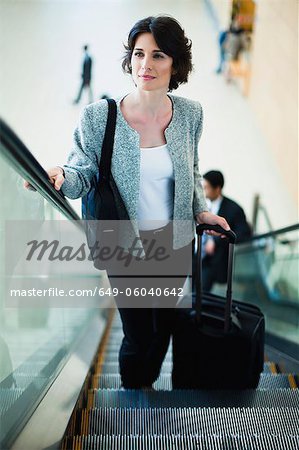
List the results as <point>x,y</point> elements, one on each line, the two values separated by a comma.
<point>215,249</point>
<point>86,76</point>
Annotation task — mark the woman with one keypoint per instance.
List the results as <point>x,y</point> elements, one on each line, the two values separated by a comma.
<point>155,166</point>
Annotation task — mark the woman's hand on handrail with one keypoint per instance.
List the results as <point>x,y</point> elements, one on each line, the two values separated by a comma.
<point>212,219</point>
<point>56,177</point>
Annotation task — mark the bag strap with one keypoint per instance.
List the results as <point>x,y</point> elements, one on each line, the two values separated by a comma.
<point>231,236</point>
<point>107,147</point>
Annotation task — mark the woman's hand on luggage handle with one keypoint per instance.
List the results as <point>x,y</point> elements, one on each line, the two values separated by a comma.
<point>56,177</point>
<point>212,219</point>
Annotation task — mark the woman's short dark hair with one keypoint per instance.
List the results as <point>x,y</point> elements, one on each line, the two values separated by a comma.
<point>171,39</point>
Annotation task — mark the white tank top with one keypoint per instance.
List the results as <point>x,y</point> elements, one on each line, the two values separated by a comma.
<point>156,197</point>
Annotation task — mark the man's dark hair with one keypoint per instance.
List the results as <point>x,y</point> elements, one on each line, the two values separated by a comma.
<point>215,178</point>
<point>171,39</point>
<point>85,47</point>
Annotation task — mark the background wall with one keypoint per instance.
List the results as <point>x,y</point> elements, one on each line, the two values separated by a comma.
<point>222,9</point>
<point>273,93</point>
<point>274,85</point>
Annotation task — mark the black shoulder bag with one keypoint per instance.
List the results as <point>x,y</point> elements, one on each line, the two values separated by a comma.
<point>103,205</point>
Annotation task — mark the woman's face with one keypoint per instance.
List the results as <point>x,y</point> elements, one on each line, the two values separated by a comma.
<point>151,68</point>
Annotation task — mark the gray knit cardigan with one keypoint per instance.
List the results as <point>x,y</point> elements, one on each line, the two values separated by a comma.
<point>182,136</point>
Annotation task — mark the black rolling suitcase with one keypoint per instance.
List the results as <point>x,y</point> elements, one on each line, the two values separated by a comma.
<point>220,343</point>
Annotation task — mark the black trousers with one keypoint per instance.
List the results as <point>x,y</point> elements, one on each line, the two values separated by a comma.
<point>84,85</point>
<point>147,324</point>
<point>214,268</point>
<point>145,343</point>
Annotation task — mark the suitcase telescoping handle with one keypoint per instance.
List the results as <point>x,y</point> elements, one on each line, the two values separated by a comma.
<point>231,236</point>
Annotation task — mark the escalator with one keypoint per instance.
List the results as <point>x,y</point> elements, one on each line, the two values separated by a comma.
<point>266,273</point>
<point>105,416</point>
<point>266,418</point>
<point>110,417</point>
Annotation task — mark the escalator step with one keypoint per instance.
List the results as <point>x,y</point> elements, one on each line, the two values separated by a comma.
<point>276,381</point>
<point>112,352</point>
<point>271,367</point>
<point>113,367</point>
<point>267,381</point>
<point>114,382</point>
<point>113,357</point>
<point>189,421</point>
<point>112,347</point>
<point>210,442</point>
<point>134,398</point>
<point>116,328</point>
<point>115,333</point>
<point>115,339</point>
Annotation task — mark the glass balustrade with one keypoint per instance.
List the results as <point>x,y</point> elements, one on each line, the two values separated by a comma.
<point>266,273</point>
<point>37,334</point>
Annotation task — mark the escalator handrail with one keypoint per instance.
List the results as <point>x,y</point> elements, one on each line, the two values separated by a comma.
<point>22,160</point>
<point>269,234</point>
<point>257,208</point>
